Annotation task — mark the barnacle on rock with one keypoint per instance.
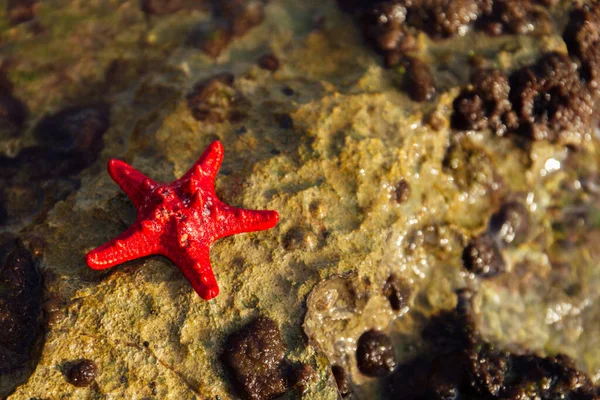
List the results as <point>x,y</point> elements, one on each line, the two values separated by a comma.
<point>485,103</point>
<point>550,100</point>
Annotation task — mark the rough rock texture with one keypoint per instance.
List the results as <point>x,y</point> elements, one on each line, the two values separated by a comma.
<point>20,312</point>
<point>254,356</point>
<point>325,140</point>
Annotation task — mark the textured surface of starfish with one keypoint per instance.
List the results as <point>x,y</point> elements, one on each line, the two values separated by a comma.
<point>179,220</point>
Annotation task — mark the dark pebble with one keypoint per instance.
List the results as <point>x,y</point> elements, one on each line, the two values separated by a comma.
<point>152,386</point>
<point>419,80</point>
<point>81,373</point>
<point>254,357</point>
<point>511,223</point>
<point>397,291</point>
<point>20,311</point>
<point>402,192</point>
<point>375,354</point>
<point>341,379</point>
<point>269,62</point>
<point>482,257</point>
<point>288,91</point>
<point>285,121</point>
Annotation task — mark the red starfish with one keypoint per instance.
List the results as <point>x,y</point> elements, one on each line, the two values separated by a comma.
<point>179,220</point>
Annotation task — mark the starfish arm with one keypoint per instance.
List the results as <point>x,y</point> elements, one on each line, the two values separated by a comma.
<point>135,184</point>
<point>242,220</point>
<point>134,243</point>
<point>206,167</point>
<point>197,269</point>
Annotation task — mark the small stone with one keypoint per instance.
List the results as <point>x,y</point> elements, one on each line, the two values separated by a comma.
<point>419,81</point>
<point>402,191</point>
<point>285,121</point>
<point>482,257</point>
<point>341,379</point>
<point>269,62</point>
<point>288,91</point>
<point>81,373</point>
<point>511,223</point>
<point>375,354</point>
<point>397,291</point>
<point>254,356</point>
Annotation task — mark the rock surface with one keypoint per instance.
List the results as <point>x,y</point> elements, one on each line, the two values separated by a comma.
<point>324,138</point>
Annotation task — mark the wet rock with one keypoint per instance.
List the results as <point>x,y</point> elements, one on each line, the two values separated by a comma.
<point>469,165</point>
<point>402,192</point>
<point>511,223</point>
<point>269,62</point>
<point>80,373</point>
<point>20,312</point>
<point>214,100</point>
<point>341,379</point>
<point>485,104</point>
<point>254,357</point>
<point>482,257</point>
<point>165,7</point>
<point>397,291</point>
<point>550,99</point>
<point>459,364</point>
<point>375,354</point>
<point>19,11</point>
<point>418,80</point>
